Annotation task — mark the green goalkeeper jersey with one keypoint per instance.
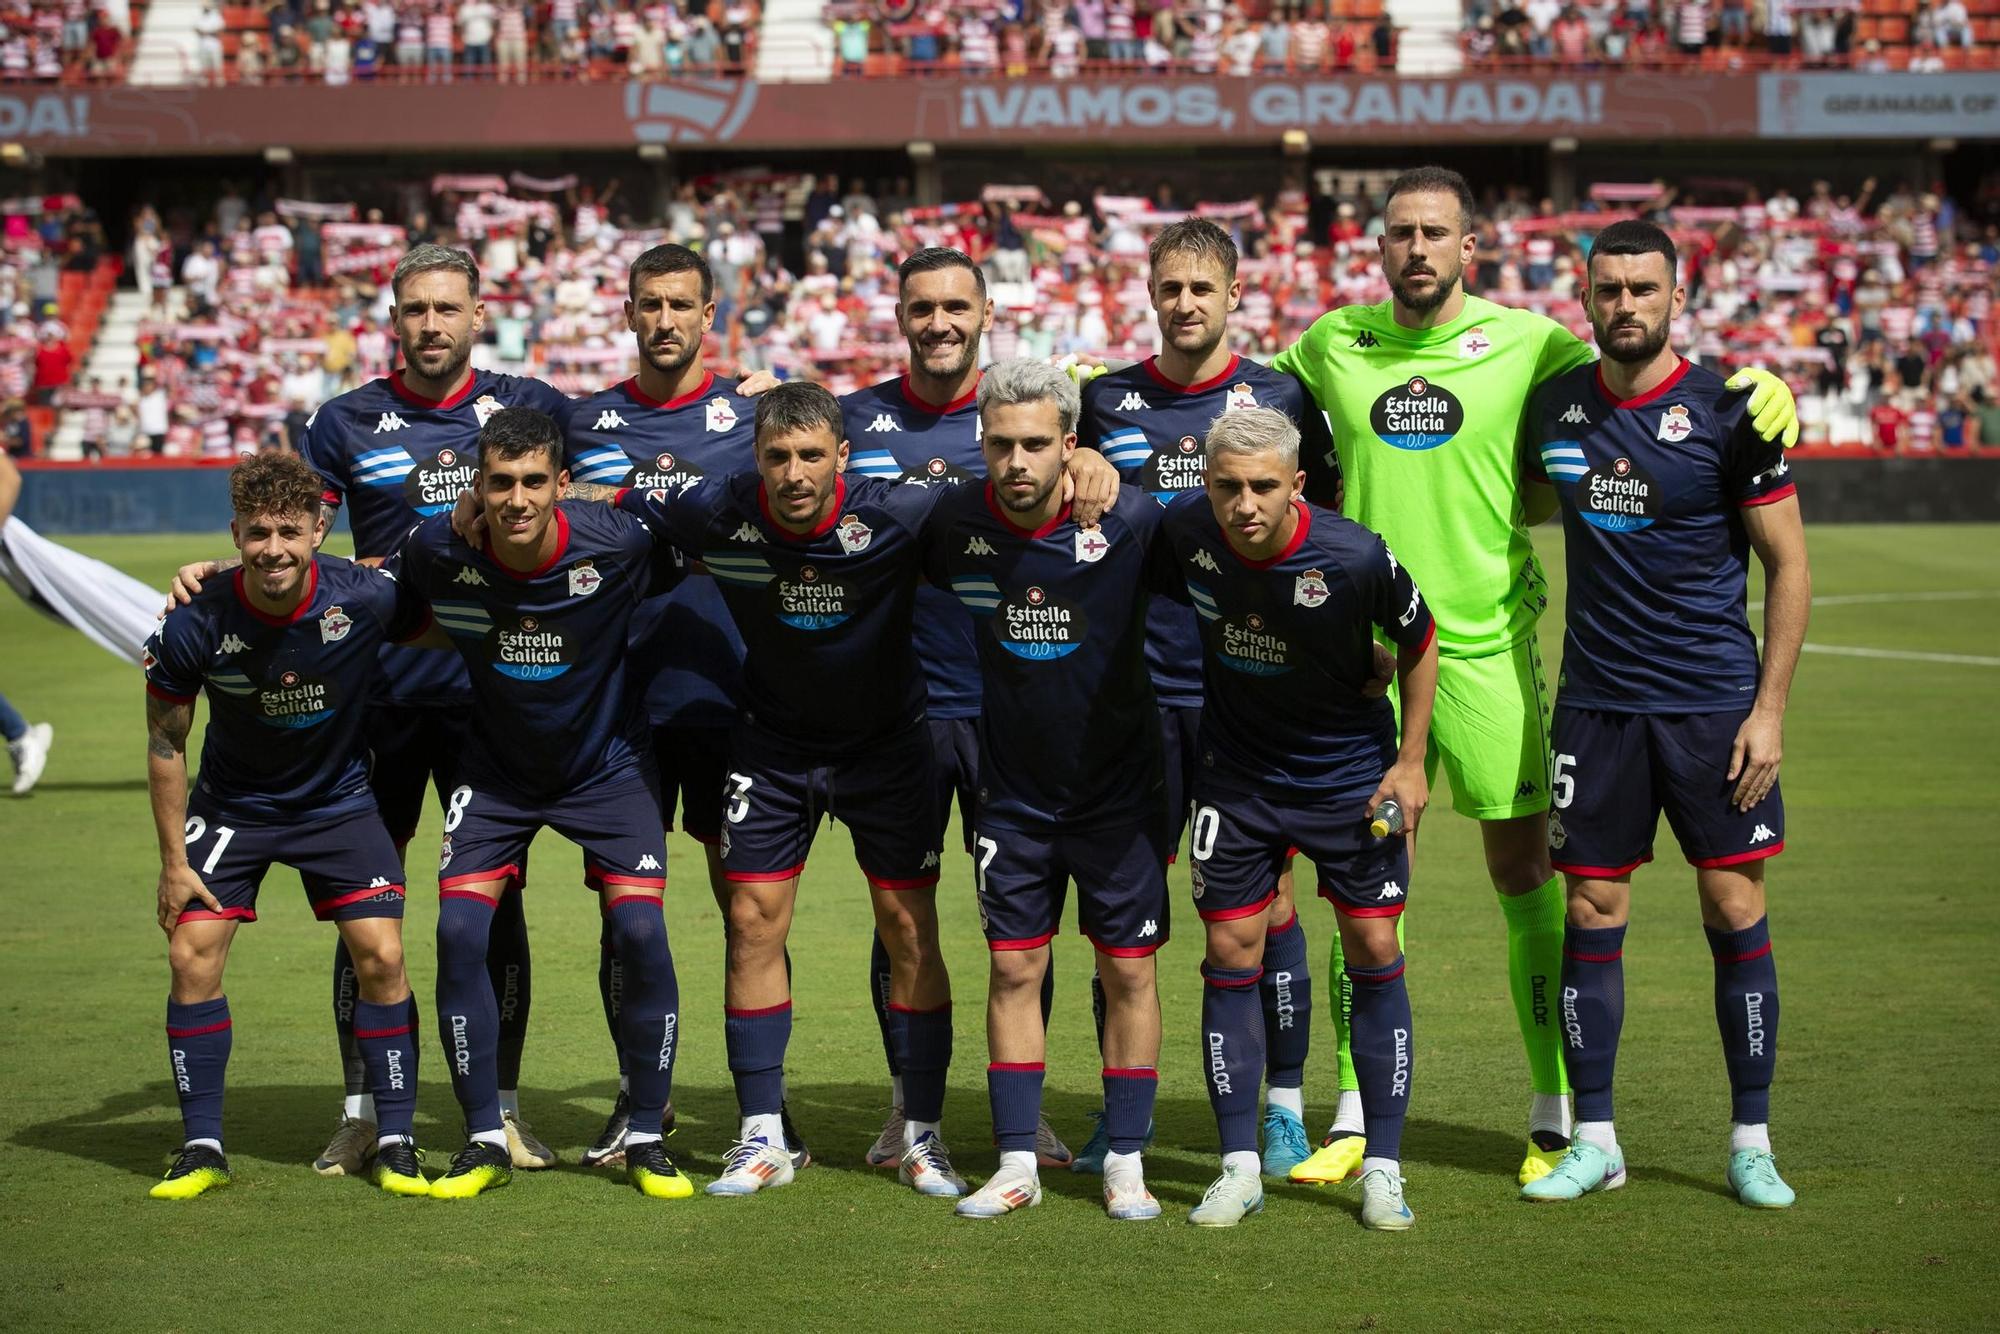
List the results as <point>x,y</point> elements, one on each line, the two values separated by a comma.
<point>1427,426</point>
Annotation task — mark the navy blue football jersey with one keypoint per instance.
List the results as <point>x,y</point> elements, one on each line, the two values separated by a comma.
<point>686,653</point>
<point>1651,491</point>
<point>1288,645</point>
<point>825,616</point>
<point>1069,731</point>
<point>1151,429</point>
<point>894,435</point>
<point>285,697</point>
<point>554,703</point>
<point>388,458</point>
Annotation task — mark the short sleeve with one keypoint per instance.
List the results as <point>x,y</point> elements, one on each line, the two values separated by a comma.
<point>415,556</point>
<point>675,518</point>
<point>1317,454</point>
<point>320,446</point>
<point>1561,351</point>
<point>1754,470</point>
<point>1089,432</point>
<point>1398,606</point>
<point>176,656</point>
<point>405,614</point>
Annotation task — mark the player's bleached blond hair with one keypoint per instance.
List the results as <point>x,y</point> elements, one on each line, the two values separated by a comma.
<point>430,257</point>
<point>1023,380</point>
<point>1253,431</point>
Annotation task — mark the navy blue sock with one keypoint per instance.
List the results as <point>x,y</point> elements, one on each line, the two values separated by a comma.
<point>649,1013</point>
<point>1232,1022</point>
<point>1746,1010</point>
<point>468,1016</point>
<point>757,1040</point>
<point>198,1047</point>
<point>507,967</point>
<point>1128,1107</point>
<point>1383,1052</point>
<point>1286,994</point>
<point>610,986</point>
<point>923,1050</point>
<point>1593,1010</point>
<point>387,1036</point>
<point>1097,1009</point>
<point>1015,1090</point>
<point>346,991</point>
<point>878,996</point>
<point>1049,989</point>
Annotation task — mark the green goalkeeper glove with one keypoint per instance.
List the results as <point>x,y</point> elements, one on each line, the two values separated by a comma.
<point>1773,410</point>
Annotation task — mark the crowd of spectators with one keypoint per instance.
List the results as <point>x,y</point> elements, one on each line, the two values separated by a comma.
<point>1876,306</point>
<point>64,41</point>
<point>343,41</point>
<point>1924,36</point>
<point>50,245</point>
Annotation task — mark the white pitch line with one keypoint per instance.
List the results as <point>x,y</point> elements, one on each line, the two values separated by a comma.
<point>1861,599</point>
<point>1902,655</point>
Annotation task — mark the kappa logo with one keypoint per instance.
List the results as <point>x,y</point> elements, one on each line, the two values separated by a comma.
<point>1762,834</point>
<point>389,422</point>
<point>1529,787</point>
<point>1391,890</point>
<point>1201,560</point>
<point>979,546</point>
<point>609,420</point>
<point>1091,545</point>
<point>470,577</point>
<point>379,882</point>
<point>1133,402</point>
<point>720,415</point>
<point>486,407</point>
<point>1309,589</point>
<point>231,644</point>
<point>1575,416</point>
<point>1365,339</point>
<point>747,532</point>
<point>334,625</point>
<point>854,535</point>
<point>883,422</point>
<point>648,863</point>
<point>1675,425</point>
<point>1151,928</point>
<point>583,579</point>
<point>929,863</point>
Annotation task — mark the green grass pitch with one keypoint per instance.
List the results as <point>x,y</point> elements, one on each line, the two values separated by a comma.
<point>1886,922</point>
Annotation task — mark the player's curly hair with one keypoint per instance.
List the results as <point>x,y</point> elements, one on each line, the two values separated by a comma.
<point>279,485</point>
<point>795,406</point>
<point>1198,237</point>
<point>512,433</point>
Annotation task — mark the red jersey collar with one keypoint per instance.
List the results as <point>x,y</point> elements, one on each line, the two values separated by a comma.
<point>925,405</point>
<point>638,395</point>
<point>1159,377</point>
<point>1298,540</point>
<point>1679,371</point>
<point>451,400</point>
<point>825,527</point>
<point>298,613</point>
<point>999,511</point>
<point>562,545</point>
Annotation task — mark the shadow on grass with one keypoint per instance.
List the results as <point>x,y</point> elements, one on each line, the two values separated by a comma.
<point>108,785</point>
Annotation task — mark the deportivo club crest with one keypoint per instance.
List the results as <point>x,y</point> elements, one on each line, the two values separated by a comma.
<point>1091,544</point>
<point>1309,589</point>
<point>854,535</point>
<point>333,625</point>
<point>1240,396</point>
<point>483,409</point>
<point>720,415</point>
<point>1473,343</point>
<point>583,579</point>
<point>1674,425</point>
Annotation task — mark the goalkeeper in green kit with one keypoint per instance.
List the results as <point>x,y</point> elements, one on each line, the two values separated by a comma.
<point>1426,394</point>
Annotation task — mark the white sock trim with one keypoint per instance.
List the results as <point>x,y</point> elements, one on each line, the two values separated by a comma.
<point>497,1138</point>
<point>1390,1165</point>
<point>638,1137</point>
<point>916,1130</point>
<point>1292,1100</point>
<point>1243,1162</point>
<point>1020,1163</point>
<point>1347,1118</point>
<point>215,1144</point>
<point>350,1106</point>
<point>1599,1134</point>
<point>1550,1112</point>
<point>510,1102</point>
<point>1749,1137</point>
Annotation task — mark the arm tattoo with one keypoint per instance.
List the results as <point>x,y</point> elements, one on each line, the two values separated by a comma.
<point>167,726</point>
<point>590,491</point>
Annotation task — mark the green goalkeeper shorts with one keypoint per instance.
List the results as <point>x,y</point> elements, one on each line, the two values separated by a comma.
<point>1490,732</point>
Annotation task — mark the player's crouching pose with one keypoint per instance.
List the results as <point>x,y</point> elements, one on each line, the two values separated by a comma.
<point>286,649</point>
<point>539,609</point>
<point>1665,487</point>
<point>1295,754</point>
<point>1069,775</point>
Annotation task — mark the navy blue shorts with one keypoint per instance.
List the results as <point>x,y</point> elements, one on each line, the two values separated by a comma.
<point>349,864</point>
<point>1240,843</point>
<point>1613,773</point>
<point>693,764</point>
<point>955,760</point>
<point>411,747</point>
<point>616,821</point>
<point>1121,885</point>
<point>886,796</point>
<point>1178,728</point>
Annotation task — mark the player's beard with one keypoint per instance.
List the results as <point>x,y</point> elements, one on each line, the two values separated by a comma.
<point>1423,303</point>
<point>968,357</point>
<point>456,357</point>
<point>670,362</point>
<point>1034,501</point>
<point>1201,353</point>
<point>1633,354</point>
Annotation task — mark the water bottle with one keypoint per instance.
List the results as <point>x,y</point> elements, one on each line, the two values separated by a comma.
<point>1388,819</point>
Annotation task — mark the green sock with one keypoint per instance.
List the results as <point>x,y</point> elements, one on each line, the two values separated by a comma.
<point>1534,972</point>
<point>1343,1006</point>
